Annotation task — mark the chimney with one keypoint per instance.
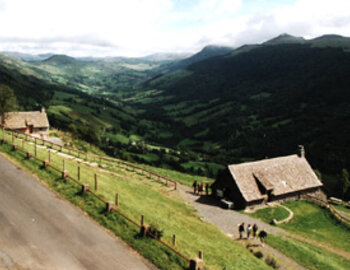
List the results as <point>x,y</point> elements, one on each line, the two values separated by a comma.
<point>301,152</point>
<point>42,109</point>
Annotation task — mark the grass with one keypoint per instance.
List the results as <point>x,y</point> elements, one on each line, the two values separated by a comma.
<point>161,205</point>
<point>270,213</point>
<point>308,255</point>
<point>314,222</point>
<point>183,178</point>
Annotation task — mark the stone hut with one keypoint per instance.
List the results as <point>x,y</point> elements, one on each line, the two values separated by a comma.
<point>34,122</point>
<point>252,184</point>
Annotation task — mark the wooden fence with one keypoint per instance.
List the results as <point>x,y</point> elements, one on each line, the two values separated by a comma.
<point>325,204</point>
<point>98,158</point>
<point>77,181</point>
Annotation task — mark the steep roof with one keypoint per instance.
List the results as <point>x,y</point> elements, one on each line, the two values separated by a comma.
<point>18,120</point>
<point>282,175</point>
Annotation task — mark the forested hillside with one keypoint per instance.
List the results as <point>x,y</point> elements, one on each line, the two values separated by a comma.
<point>261,103</point>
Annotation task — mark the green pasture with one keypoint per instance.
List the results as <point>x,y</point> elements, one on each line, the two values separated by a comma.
<point>310,256</point>
<point>160,204</point>
<point>270,213</point>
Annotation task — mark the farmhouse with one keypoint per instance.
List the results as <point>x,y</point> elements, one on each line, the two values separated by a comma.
<point>252,184</point>
<point>35,122</point>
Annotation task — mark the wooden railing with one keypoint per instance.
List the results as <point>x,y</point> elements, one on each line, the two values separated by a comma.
<point>331,208</point>
<point>82,155</point>
<point>78,182</point>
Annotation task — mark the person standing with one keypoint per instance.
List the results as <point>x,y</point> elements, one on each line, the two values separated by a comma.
<point>195,187</point>
<point>207,189</point>
<point>255,229</point>
<point>241,230</point>
<point>249,230</point>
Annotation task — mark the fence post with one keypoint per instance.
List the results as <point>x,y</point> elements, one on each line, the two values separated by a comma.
<point>116,200</point>
<point>78,172</point>
<point>96,186</point>
<point>63,165</point>
<point>174,239</point>
<point>142,219</point>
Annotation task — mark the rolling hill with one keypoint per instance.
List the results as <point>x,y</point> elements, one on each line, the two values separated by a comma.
<point>262,102</point>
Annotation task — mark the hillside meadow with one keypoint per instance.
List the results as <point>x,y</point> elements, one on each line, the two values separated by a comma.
<point>161,205</point>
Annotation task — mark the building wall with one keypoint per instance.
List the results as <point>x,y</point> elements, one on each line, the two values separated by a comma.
<point>226,183</point>
<point>41,131</point>
<point>315,192</point>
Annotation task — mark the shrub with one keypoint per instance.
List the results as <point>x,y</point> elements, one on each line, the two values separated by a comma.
<point>156,231</point>
<point>258,254</point>
<point>271,262</point>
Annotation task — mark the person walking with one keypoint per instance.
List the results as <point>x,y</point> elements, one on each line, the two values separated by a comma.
<point>195,187</point>
<point>262,236</point>
<point>241,230</point>
<point>249,230</point>
<point>255,229</point>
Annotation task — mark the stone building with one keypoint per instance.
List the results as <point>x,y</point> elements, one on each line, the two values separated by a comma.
<point>252,184</point>
<point>34,122</point>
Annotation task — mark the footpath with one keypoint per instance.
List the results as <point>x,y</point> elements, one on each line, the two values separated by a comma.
<point>228,221</point>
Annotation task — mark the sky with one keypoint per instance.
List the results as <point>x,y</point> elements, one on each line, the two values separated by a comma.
<point>141,27</point>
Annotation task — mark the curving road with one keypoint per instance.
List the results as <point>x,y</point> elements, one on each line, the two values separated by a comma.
<point>39,230</point>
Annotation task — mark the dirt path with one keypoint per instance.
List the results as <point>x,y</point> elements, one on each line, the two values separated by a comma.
<point>226,220</point>
<point>39,230</point>
<point>284,262</point>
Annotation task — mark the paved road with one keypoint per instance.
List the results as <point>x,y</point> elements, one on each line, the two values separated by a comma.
<point>39,230</point>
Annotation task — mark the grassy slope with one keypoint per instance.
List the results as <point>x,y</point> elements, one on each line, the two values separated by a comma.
<point>270,213</point>
<point>312,257</point>
<point>316,223</point>
<point>161,206</point>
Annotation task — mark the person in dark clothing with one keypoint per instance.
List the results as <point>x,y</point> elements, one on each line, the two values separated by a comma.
<point>241,230</point>
<point>207,189</point>
<point>255,229</point>
<point>195,187</point>
<point>262,236</point>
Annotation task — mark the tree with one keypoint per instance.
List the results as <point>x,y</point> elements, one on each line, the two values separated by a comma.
<point>8,100</point>
<point>345,181</point>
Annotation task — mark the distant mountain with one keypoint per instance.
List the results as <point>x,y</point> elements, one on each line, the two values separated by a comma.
<point>331,41</point>
<point>165,56</point>
<point>285,39</point>
<point>29,57</point>
<point>205,53</point>
<point>60,59</point>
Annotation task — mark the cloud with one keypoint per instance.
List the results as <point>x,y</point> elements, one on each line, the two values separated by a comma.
<point>139,27</point>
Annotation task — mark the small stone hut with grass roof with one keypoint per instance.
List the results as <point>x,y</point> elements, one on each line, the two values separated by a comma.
<point>33,122</point>
<point>253,184</point>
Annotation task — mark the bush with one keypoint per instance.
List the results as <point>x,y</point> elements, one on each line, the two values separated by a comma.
<point>271,262</point>
<point>156,231</point>
<point>258,254</point>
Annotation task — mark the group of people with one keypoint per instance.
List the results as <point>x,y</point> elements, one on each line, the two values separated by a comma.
<point>251,229</point>
<point>198,188</point>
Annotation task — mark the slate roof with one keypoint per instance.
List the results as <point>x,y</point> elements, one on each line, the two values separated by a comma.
<point>281,175</point>
<point>20,120</point>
